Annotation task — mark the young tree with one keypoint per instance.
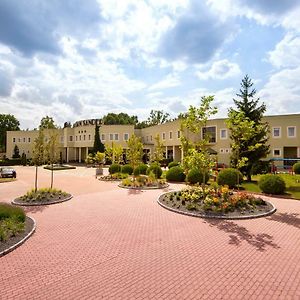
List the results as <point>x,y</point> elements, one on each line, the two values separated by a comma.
<point>38,154</point>
<point>158,153</point>
<point>98,145</point>
<point>196,153</point>
<point>16,152</point>
<point>52,153</point>
<point>47,123</point>
<point>252,144</point>
<point>114,153</point>
<point>135,150</point>
<point>7,123</point>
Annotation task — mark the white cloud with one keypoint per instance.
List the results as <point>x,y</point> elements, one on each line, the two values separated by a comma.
<point>286,52</point>
<point>221,69</point>
<point>168,82</point>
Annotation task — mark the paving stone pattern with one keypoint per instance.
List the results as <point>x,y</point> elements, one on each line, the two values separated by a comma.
<point>113,243</point>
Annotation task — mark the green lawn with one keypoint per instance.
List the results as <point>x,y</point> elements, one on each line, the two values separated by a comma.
<point>292,185</point>
<point>6,179</point>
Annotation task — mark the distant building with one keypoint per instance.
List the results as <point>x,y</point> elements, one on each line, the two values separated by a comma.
<point>77,140</point>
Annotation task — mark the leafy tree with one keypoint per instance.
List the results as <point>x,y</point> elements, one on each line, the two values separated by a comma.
<point>47,123</point>
<point>252,144</point>
<point>38,154</point>
<point>114,153</point>
<point>157,117</point>
<point>7,122</point>
<point>16,152</point>
<point>135,150</point>
<point>119,119</point>
<point>98,145</point>
<point>196,154</point>
<point>52,153</point>
<point>158,153</point>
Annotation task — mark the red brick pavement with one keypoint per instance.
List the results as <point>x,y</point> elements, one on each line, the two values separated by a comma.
<point>111,243</point>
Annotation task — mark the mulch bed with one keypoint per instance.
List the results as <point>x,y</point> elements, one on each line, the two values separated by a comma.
<point>261,210</point>
<point>44,201</point>
<point>144,187</point>
<point>16,241</point>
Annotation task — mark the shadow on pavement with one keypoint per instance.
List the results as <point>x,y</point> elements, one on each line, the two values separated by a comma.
<point>292,219</point>
<point>238,234</point>
<point>135,191</point>
<point>34,209</point>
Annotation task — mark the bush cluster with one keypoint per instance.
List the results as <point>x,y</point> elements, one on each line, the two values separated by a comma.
<point>296,168</point>
<point>196,176</point>
<point>114,168</point>
<point>271,184</point>
<point>173,164</point>
<point>140,170</point>
<point>127,169</point>
<point>175,173</point>
<point>230,177</point>
<point>155,169</point>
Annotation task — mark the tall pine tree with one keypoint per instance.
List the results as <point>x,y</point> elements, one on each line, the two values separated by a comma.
<point>98,145</point>
<point>251,147</point>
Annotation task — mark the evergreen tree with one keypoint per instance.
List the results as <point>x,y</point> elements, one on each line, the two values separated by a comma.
<point>16,152</point>
<point>251,147</point>
<point>98,145</point>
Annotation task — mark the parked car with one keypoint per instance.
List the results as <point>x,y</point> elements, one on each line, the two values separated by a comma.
<point>8,173</point>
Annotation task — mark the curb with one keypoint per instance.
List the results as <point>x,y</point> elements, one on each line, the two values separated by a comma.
<point>6,251</point>
<point>221,217</point>
<point>41,204</point>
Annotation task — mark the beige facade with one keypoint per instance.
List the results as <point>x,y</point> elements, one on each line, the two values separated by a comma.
<point>284,138</point>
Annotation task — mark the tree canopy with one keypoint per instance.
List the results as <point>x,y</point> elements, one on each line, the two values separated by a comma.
<point>248,133</point>
<point>157,117</point>
<point>47,123</point>
<point>7,122</point>
<point>119,119</point>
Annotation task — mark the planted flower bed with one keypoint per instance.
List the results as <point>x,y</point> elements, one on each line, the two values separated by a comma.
<point>216,202</point>
<point>44,196</point>
<point>143,182</point>
<point>113,177</point>
<point>15,227</point>
<point>59,167</point>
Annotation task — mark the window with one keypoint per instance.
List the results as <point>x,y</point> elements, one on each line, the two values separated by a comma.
<point>24,140</point>
<point>276,132</point>
<point>19,140</point>
<point>80,138</point>
<point>151,138</point>
<point>71,138</point>
<point>147,138</point>
<point>164,136</point>
<point>29,140</point>
<point>89,137</point>
<point>103,137</point>
<point>61,139</point>
<point>116,136</point>
<point>84,137</point>
<point>209,133</point>
<point>170,135</point>
<point>221,150</point>
<point>223,134</point>
<point>276,152</point>
<point>14,140</point>
<point>111,137</point>
<point>126,136</point>
<point>76,137</point>
<point>178,134</point>
<point>291,131</point>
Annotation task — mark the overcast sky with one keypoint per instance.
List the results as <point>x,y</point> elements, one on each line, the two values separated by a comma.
<point>75,59</point>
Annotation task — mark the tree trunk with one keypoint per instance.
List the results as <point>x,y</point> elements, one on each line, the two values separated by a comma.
<point>51,186</point>
<point>249,177</point>
<point>35,183</point>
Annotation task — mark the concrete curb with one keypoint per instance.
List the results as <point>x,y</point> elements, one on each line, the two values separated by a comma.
<point>14,202</point>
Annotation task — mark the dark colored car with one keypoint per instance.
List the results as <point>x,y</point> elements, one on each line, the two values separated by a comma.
<point>8,173</point>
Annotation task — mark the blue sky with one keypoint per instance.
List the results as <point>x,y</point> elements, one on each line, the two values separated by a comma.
<point>77,59</point>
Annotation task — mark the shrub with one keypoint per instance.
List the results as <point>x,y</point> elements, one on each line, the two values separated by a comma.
<point>230,177</point>
<point>114,168</point>
<point>175,173</point>
<point>196,176</point>
<point>173,164</point>
<point>140,170</point>
<point>271,184</point>
<point>127,169</point>
<point>155,169</point>
<point>261,167</point>
<point>9,211</point>
<point>296,168</point>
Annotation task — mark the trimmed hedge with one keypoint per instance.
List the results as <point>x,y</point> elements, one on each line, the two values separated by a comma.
<point>114,168</point>
<point>127,169</point>
<point>296,168</point>
<point>173,164</point>
<point>230,177</point>
<point>155,169</point>
<point>196,176</point>
<point>140,170</point>
<point>175,173</point>
<point>11,162</point>
<point>271,184</point>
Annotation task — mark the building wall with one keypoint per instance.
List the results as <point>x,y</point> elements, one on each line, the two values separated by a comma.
<point>77,141</point>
